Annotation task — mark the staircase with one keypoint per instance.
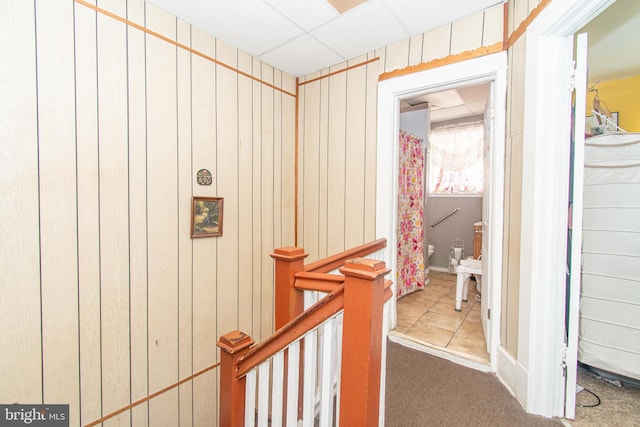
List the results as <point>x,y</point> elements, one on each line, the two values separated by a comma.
<point>323,365</point>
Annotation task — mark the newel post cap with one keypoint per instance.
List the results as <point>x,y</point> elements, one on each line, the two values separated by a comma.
<point>289,253</point>
<point>364,268</point>
<point>234,341</point>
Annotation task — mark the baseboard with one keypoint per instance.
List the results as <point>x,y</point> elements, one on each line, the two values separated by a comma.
<point>506,369</point>
<point>513,375</point>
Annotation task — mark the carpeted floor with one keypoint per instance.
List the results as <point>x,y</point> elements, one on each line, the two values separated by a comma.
<point>452,395</point>
<point>605,402</point>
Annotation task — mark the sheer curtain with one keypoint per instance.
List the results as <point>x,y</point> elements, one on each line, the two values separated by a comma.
<point>410,230</point>
<point>455,159</point>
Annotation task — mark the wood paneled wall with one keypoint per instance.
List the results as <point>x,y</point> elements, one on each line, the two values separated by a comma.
<point>105,298</point>
<point>338,126</point>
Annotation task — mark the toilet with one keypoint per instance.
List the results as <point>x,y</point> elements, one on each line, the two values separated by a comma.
<point>430,250</point>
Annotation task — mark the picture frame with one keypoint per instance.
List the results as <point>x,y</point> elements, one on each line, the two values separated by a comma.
<point>206,217</point>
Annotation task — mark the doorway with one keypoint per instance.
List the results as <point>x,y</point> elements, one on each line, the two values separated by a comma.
<point>488,69</point>
<point>449,127</point>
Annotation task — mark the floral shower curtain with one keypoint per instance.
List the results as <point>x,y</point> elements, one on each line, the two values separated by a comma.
<point>410,230</point>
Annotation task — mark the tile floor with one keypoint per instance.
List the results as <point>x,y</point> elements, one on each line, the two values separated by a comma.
<point>428,317</point>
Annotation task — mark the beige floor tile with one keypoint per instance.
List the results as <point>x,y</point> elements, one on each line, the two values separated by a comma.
<point>403,324</point>
<point>471,328</point>
<point>474,317</point>
<point>410,313</point>
<point>418,301</point>
<point>434,292</point>
<point>469,344</point>
<point>430,334</point>
<point>443,321</point>
<point>448,307</point>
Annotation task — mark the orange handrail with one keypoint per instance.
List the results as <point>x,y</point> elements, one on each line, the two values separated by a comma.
<point>334,261</point>
<point>292,331</point>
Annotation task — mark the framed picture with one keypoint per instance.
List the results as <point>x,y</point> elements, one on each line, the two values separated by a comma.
<point>206,217</point>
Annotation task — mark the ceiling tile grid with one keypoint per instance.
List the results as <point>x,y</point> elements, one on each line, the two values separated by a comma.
<point>303,36</point>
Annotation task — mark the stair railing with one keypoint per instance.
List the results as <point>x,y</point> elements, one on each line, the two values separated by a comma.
<point>324,366</point>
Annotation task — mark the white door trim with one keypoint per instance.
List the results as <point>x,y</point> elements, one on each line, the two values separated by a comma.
<point>479,70</point>
<point>545,178</point>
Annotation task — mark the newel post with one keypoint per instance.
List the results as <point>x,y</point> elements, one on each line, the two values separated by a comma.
<point>233,346</point>
<point>362,341</point>
<point>289,302</point>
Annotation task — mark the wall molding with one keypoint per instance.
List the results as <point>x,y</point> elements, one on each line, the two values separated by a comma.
<point>151,396</point>
<point>440,62</point>
<point>179,45</point>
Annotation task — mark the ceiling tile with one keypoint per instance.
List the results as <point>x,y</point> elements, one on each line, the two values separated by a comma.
<point>256,28</point>
<point>362,29</point>
<point>308,14</point>
<point>310,56</point>
<point>419,16</point>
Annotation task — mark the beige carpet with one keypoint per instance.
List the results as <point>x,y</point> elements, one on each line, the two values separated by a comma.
<point>616,404</point>
<point>424,390</point>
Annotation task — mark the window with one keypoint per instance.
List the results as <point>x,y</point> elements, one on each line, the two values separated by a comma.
<point>455,159</point>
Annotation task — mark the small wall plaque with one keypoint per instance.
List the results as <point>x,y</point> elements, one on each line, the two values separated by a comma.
<point>204,177</point>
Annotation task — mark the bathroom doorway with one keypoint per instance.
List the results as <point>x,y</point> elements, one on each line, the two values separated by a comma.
<point>451,127</point>
<point>488,72</point>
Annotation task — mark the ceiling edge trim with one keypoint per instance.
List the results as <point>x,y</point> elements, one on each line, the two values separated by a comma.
<point>450,59</point>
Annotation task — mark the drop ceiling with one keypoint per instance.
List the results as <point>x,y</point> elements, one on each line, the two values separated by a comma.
<point>303,36</point>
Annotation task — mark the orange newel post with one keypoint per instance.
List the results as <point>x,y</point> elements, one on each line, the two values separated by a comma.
<point>289,302</point>
<point>233,346</point>
<point>362,341</point>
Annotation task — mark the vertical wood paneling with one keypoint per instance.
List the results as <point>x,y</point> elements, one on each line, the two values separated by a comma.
<point>162,205</point>
<point>245,204</point>
<point>337,162</point>
<point>354,186</point>
<point>397,55</point>
<point>113,211</point>
<point>520,11</point>
<point>86,91</point>
<point>277,161</point>
<point>323,165</point>
<point>415,49</point>
<point>58,219</point>
<point>371,136</point>
<point>287,216</point>
<point>138,223</point>
<point>20,342</point>
<point>257,223</point>
<point>185,253</point>
<point>437,43</point>
<point>227,172</point>
<point>130,303</point>
<point>493,24</point>
<point>466,33</point>
<point>204,250</point>
<point>267,135</point>
<point>311,167</point>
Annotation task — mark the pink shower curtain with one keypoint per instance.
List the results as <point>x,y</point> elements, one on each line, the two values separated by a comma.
<point>410,265</point>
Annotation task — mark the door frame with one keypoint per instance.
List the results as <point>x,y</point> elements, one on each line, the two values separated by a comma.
<point>539,382</point>
<point>474,71</point>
